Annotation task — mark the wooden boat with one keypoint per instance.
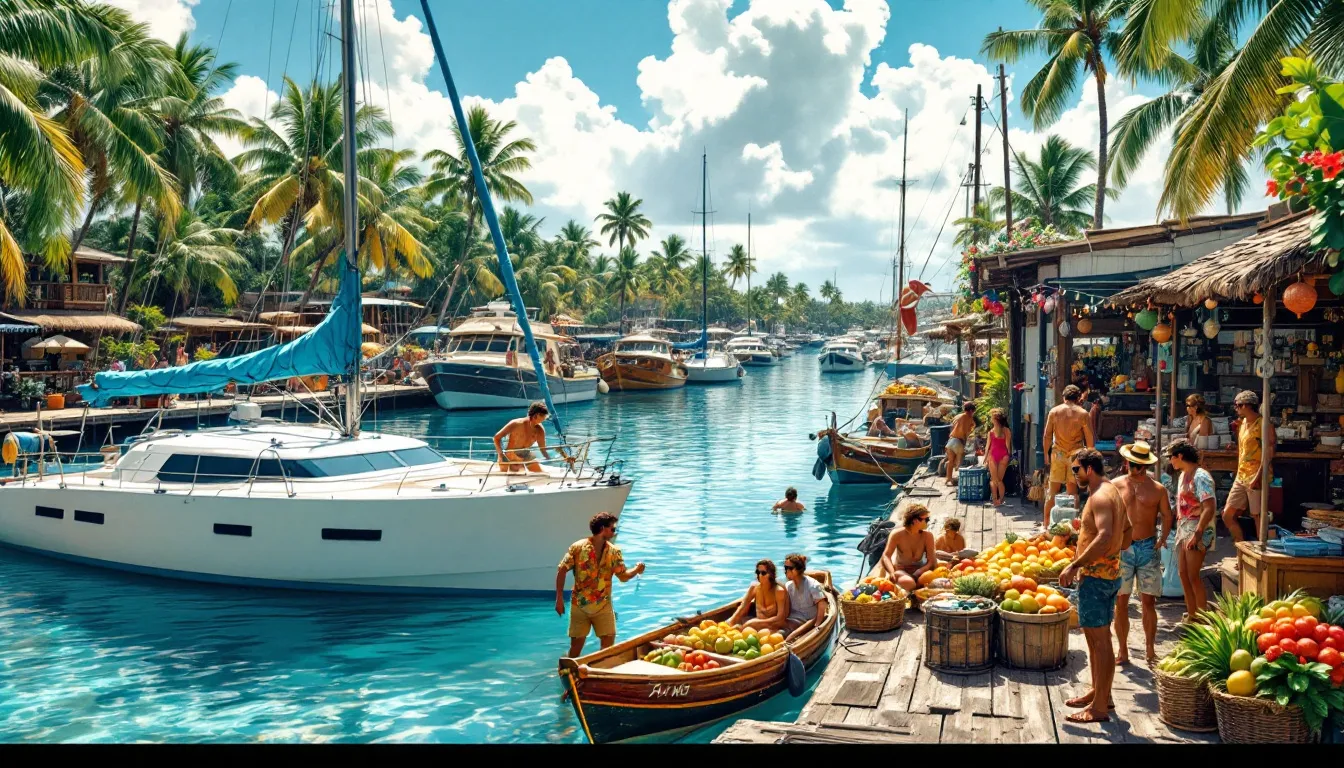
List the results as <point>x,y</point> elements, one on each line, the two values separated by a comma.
<point>619,696</point>
<point>851,459</point>
<point>641,362</point>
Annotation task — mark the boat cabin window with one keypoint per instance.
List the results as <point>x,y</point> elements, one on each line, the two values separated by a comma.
<point>184,467</point>
<point>481,343</point>
<point>643,346</point>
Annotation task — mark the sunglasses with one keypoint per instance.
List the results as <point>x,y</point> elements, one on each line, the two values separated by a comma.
<point>787,568</point>
<point>1076,469</point>
<point>765,573</point>
<point>1133,465</point>
<point>924,519</point>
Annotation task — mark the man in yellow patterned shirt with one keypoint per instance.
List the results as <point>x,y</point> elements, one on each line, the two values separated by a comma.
<point>594,561</point>
<point>1246,490</point>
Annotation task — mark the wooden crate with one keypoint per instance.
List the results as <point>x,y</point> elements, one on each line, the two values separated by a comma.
<point>1271,575</point>
<point>1034,641</point>
<point>961,642</point>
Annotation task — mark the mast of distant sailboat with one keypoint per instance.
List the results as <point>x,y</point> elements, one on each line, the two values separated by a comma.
<point>704,252</point>
<point>899,275</point>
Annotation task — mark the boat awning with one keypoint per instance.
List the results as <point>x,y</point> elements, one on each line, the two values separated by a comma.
<point>70,320</point>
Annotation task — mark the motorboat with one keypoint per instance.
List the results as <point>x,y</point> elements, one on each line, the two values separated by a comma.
<point>715,365</point>
<point>642,362</point>
<point>781,347</point>
<point>752,350</point>
<point>841,355</point>
<point>316,506</point>
<point>925,363</point>
<point>483,367</point>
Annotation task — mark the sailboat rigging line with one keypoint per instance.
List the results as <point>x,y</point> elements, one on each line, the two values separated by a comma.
<point>488,209</point>
<point>941,167</point>
<point>952,204</point>
<point>387,83</point>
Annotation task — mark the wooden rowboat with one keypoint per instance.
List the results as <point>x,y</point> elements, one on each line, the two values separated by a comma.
<point>861,459</point>
<point>619,696</point>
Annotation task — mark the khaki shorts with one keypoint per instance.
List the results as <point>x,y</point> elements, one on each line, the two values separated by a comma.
<point>601,619</point>
<point>1059,467</point>
<point>1242,497</point>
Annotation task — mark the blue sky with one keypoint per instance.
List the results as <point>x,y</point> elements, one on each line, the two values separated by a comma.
<point>799,103</point>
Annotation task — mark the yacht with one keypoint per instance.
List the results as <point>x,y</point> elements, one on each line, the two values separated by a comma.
<point>642,361</point>
<point>780,346</point>
<point>752,350</point>
<point>265,503</point>
<point>486,365</point>
<point>841,355</point>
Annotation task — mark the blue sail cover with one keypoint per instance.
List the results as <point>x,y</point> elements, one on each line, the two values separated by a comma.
<point>699,343</point>
<point>331,348</point>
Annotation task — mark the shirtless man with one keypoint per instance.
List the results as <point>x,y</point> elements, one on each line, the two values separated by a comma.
<point>790,502</point>
<point>1067,428</point>
<point>956,440</point>
<point>1096,568</point>
<point>1145,499</point>
<point>523,434</point>
<point>910,549</point>
<point>877,426</point>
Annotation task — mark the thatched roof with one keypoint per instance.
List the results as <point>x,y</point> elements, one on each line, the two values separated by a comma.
<point>1280,250</point>
<point>72,320</point>
<point>216,324</point>
<point>92,255</point>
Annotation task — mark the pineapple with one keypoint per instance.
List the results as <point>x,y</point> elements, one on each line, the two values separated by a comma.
<point>1209,646</point>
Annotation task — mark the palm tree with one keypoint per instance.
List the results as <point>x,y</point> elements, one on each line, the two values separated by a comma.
<point>1076,35</point>
<point>576,241</point>
<point>623,221</point>
<point>1214,133</point>
<point>625,279</point>
<point>830,292</point>
<point>738,266</point>
<point>1049,191</point>
<point>193,251</point>
<point>801,293</point>
<point>194,118</point>
<point>673,252</point>
<point>501,160</point>
<point>778,285</point>
<point>978,228</point>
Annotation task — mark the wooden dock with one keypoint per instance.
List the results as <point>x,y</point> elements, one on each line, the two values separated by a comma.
<point>876,688</point>
<point>272,405</point>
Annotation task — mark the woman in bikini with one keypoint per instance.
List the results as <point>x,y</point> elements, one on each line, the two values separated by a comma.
<point>770,599</point>
<point>997,457</point>
<point>910,549</point>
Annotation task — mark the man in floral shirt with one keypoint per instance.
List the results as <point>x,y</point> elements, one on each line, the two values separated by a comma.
<point>594,561</point>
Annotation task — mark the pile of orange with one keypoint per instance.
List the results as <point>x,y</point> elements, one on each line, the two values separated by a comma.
<point>1038,557</point>
<point>1033,598</point>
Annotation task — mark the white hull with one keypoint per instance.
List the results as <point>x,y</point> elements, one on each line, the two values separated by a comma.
<point>712,374</point>
<point>758,359</point>
<point>833,362</point>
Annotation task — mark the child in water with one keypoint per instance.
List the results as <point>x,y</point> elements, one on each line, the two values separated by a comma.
<point>951,541</point>
<point>789,503</point>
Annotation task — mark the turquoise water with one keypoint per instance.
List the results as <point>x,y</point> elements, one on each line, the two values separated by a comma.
<point>88,655</point>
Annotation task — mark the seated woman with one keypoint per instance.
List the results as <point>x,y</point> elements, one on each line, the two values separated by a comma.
<point>951,542</point>
<point>768,597</point>
<point>877,426</point>
<point>807,598</point>
<point>910,549</point>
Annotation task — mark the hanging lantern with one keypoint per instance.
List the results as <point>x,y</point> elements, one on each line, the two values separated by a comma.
<point>1064,329</point>
<point>1084,326</point>
<point>1257,299</point>
<point>1161,333</point>
<point>1049,305</point>
<point>1146,319</point>
<point>1210,303</point>
<point>1211,328</point>
<point>1299,297</point>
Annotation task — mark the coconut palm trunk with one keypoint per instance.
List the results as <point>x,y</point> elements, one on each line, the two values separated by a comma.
<point>317,275</point>
<point>1101,144</point>
<point>467,235</point>
<point>129,271</point>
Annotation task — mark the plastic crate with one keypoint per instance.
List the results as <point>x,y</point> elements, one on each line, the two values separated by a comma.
<point>973,484</point>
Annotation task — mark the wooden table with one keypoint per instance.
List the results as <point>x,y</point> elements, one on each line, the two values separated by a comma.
<point>1272,575</point>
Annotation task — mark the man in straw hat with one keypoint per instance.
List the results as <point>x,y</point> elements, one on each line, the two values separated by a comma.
<point>1145,499</point>
<point>1246,490</point>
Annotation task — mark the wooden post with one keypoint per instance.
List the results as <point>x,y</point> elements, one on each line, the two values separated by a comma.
<point>1175,367</point>
<point>1266,410</point>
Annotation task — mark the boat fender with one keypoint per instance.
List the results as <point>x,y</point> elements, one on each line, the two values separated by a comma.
<point>603,387</point>
<point>797,675</point>
<point>824,449</point>
<point>819,469</point>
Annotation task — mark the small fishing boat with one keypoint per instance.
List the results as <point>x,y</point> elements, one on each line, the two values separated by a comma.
<point>841,355</point>
<point>617,695</point>
<point>855,459</point>
<point>641,362</point>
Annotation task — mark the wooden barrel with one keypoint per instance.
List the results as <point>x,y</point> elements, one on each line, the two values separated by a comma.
<point>1034,641</point>
<point>960,642</point>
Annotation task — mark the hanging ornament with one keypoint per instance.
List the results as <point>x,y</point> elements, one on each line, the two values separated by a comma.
<point>1129,315</point>
<point>1257,299</point>
<point>1146,319</point>
<point>1210,303</point>
<point>1064,328</point>
<point>1299,297</point>
<point>1049,305</point>
<point>1211,328</point>
<point>1161,333</point>
<point>1084,326</point>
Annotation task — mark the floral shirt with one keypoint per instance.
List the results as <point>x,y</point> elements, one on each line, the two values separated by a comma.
<point>1194,491</point>
<point>1248,451</point>
<point>592,578</point>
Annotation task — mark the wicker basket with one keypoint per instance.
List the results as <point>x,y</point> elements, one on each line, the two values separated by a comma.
<point>1185,703</point>
<point>878,616</point>
<point>1331,516</point>
<point>919,596</point>
<point>1249,720</point>
<point>1034,640</point>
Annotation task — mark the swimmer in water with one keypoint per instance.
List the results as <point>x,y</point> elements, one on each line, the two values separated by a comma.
<point>789,503</point>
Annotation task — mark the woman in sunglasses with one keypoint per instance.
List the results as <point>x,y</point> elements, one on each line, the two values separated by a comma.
<point>910,549</point>
<point>769,598</point>
<point>807,598</point>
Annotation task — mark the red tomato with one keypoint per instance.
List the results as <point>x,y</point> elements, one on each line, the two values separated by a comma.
<point>1337,634</point>
<point>1337,676</point>
<point>1308,647</point>
<point>1301,659</point>
<point>1286,629</point>
<point>711,664</point>
<point>1273,653</point>
<point>1304,626</point>
<point>1266,641</point>
<point>1320,633</point>
<point>1331,642</point>
<point>1289,645</point>
<point>1330,656</point>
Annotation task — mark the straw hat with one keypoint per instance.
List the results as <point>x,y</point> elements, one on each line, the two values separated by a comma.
<point>1139,453</point>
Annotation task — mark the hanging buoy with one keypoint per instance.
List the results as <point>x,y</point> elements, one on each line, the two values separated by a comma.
<point>1210,303</point>
<point>602,386</point>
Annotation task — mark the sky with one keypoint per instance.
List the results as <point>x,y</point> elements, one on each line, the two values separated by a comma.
<point>799,105</point>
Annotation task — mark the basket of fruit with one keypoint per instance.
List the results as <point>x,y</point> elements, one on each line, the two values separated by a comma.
<point>959,633</point>
<point>873,605</point>
<point>1251,720</point>
<point>1034,626</point>
<point>1183,700</point>
<point>924,594</point>
<point>1040,558</point>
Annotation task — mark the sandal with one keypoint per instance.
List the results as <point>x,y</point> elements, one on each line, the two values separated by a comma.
<point>1085,716</point>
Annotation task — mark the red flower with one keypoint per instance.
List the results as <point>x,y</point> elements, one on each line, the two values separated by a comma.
<point>1272,188</point>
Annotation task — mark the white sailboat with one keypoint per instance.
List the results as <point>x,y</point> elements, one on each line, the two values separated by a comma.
<point>712,364</point>
<point>270,504</point>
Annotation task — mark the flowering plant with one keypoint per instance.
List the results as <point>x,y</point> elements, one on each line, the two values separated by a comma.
<point>1305,168</point>
<point>1027,234</point>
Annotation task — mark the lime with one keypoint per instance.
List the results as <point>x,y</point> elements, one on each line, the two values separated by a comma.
<point>1240,660</point>
<point>1258,665</point>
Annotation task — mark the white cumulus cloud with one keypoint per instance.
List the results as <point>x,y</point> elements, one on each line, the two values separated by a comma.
<point>167,19</point>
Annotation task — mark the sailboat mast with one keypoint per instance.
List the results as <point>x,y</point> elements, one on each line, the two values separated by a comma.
<point>899,275</point>
<point>350,201</point>
<point>748,274</point>
<point>704,248</point>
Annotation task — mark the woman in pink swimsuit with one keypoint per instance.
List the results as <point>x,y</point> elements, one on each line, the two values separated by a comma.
<point>998,454</point>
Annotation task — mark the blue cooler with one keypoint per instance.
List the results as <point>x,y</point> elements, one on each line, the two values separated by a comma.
<point>973,484</point>
<point>938,434</point>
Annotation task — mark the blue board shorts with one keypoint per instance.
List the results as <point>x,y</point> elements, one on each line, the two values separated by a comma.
<point>1096,601</point>
<point>1141,563</point>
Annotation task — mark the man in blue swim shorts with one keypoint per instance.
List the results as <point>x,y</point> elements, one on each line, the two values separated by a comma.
<point>1145,500</point>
